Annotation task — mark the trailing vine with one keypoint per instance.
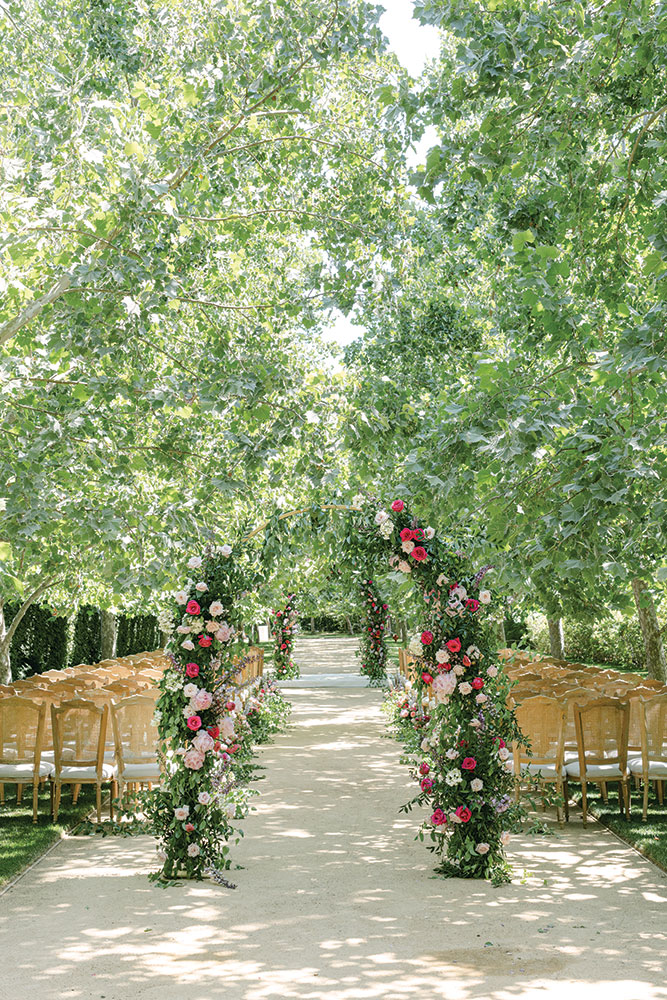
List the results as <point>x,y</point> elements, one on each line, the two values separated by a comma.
<point>284,624</point>
<point>373,643</point>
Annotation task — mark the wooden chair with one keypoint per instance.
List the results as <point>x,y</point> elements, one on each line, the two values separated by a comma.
<point>542,720</point>
<point>652,765</point>
<point>136,743</point>
<point>21,734</point>
<point>602,744</point>
<point>79,734</point>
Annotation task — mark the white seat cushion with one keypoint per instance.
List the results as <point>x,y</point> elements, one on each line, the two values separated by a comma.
<point>148,771</point>
<point>605,772</point>
<point>20,771</point>
<point>656,768</point>
<point>68,753</point>
<point>86,773</point>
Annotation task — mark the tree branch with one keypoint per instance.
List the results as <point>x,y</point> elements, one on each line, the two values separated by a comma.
<point>24,607</point>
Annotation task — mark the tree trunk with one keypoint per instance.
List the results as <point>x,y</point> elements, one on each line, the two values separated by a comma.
<point>5,649</point>
<point>654,648</point>
<point>556,638</point>
<point>404,633</point>
<point>502,639</point>
<point>109,635</point>
<point>349,625</point>
<point>312,624</point>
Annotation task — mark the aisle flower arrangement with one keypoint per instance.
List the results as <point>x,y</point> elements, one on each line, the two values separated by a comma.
<point>207,725</point>
<point>373,643</point>
<point>458,702</point>
<point>283,631</point>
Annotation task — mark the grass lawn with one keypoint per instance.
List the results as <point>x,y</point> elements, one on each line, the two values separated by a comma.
<point>649,837</point>
<point>21,841</point>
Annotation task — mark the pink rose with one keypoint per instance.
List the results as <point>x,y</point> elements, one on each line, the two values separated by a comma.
<point>192,608</point>
<point>406,535</point>
<point>469,764</point>
<point>192,669</point>
<point>397,505</point>
<point>438,818</point>
<point>189,827</point>
<point>419,553</point>
<point>194,722</point>
<point>424,768</point>
<point>427,678</point>
<point>472,604</point>
<point>193,759</point>
<point>426,784</point>
<point>427,638</point>
<point>464,814</point>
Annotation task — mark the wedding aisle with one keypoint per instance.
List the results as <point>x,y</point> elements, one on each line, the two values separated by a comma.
<point>335,900</point>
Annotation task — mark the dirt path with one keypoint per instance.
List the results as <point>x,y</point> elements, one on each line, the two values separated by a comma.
<point>335,901</point>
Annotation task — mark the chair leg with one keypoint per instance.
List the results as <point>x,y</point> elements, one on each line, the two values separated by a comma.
<point>98,801</point>
<point>661,792</point>
<point>113,791</point>
<point>559,790</point>
<point>626,788</point>
<point>2,793</point>
<point>56,799</point>
<point>19,794</point>
<point>121,791</point>
<point>35,799</point>
<point>603,789</point>
<point>75,794</point>
<point>647,785</point>
<point>566,799</point>
<point>584,802</point>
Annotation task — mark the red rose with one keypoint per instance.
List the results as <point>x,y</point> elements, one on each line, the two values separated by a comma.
<point>453,645</point>
<point>194,722</point>
<point>189,827</point>
<point>417,535</point>
<point>477,683</point>
<point>205,640</point>
<point>230,706</point>
<point>427,638</point>
<point>427,679</point>
<point>469,764</point>
<point>424,768</point>
<point>397,505</point>
<point>464,814</point>
<point>406,535</point>
<point>192,669</point>
<point>192,608</point>
<point>438,818</point>
<point>426,784</point>
<point>385,607</point>
<point>419,553</point>
<point>472,604</point>
<point>214,731</point>
<point>465,660</point>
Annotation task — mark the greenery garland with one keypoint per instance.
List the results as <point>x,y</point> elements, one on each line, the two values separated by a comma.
<point>284,623</point>
<point>373,643</point>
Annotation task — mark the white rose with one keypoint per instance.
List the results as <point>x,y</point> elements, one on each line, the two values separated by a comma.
<point>188,644</point>
<point>201,586</point>
<point>503,753</point>
<point>404,566</point>
<point>182,812</point>
<point>492,671</point>
<point>231,810</point>
<point>504,838</point>
<point>216,609</point>
<point>485,597</point>
<point>190,690</point>
<point>424,744</point>
<point>442,580</point>
<point>381,516</point>
<point>459,670</point>
<point>203,798</point>
<point>181,597</point>
<point>194,562</point>
<point>481,698</point>
<point>477,784</point>
<point>460,592</point>
<point>225,550</point>
<point>482,848</point>
<point>442,656</point>
<point>429,533</point>
<point>451,754</point>
<point>408,546</point>
<point>415,645</point>
<point>193,850</point>
<point>465,688</point>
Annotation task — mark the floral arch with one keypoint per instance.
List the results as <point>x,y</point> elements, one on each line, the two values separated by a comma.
<point>463,774</point>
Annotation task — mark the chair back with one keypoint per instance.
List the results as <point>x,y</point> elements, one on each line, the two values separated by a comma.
<point>79,733</point>
<point>21,730</point>
<point>653,721</point>
<point>135,730</point>
<point>542,720</point>
<point>602,732</point>
<point>575,696</point>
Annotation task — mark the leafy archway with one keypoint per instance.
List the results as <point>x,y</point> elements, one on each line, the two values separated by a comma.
<point>464,775</point>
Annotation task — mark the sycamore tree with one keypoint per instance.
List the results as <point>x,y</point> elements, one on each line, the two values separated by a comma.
<point>549,177</point>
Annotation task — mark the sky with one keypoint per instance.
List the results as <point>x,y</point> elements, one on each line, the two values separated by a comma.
<point>414,45</point>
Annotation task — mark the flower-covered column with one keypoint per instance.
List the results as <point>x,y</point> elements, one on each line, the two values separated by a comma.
<point>373,643</point>
<point>463,769</point>
<point>283,631</point>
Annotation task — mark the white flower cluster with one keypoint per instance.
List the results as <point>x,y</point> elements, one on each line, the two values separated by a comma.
<point>453,778</point>
<point>165,621</point>
<point>172,680</point>
<point>415,645</point>
<point>386,529</point>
